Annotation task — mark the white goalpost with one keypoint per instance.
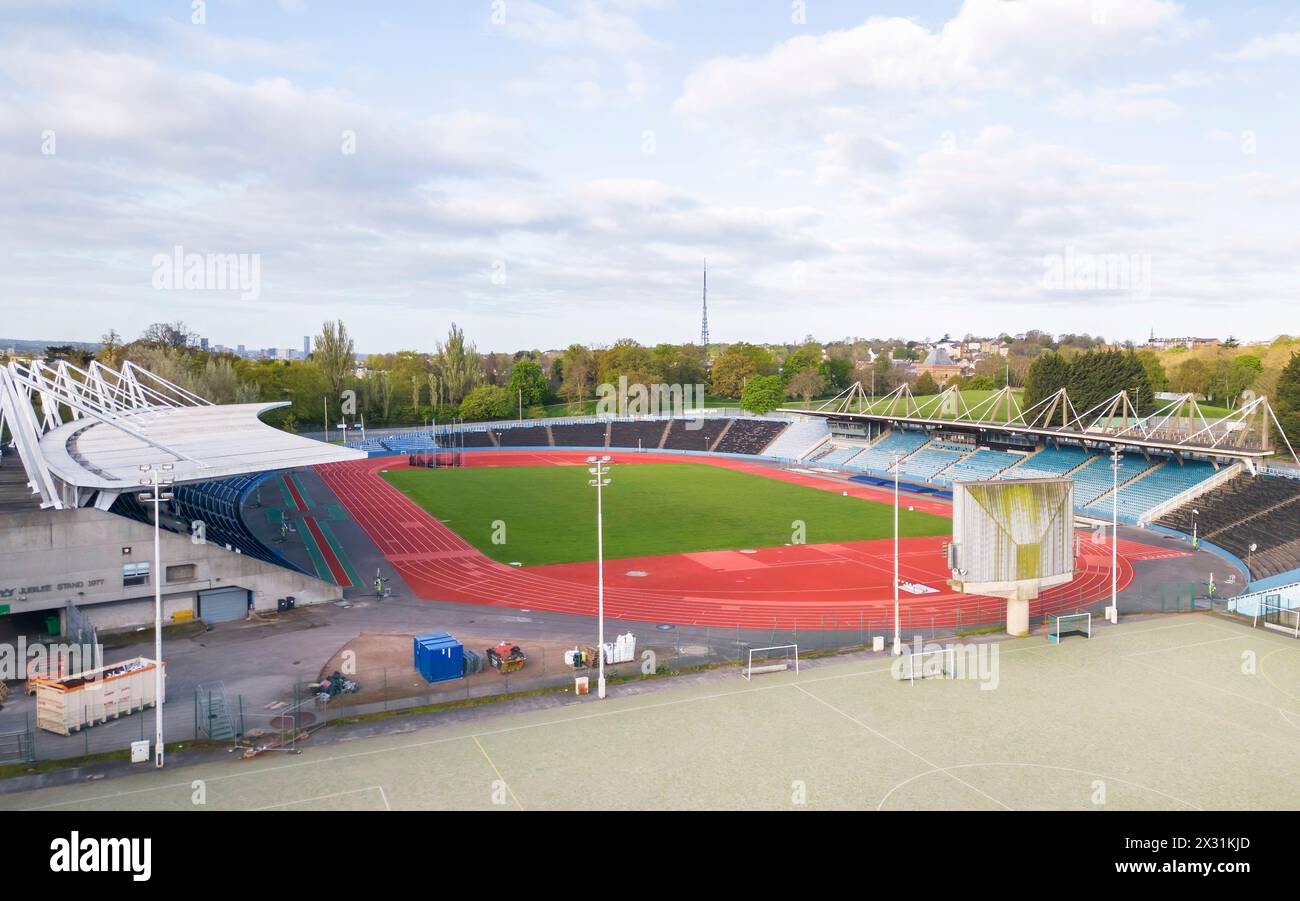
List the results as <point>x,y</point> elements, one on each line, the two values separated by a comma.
<point>939,663</point>
<point>1069,624</point>
<point>1274,616</point>
<point>776,659</point>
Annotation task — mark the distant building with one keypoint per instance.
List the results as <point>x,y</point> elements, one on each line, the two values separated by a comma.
<point>306,346</point>
<point>1166,343</point>
<point>939,364</point>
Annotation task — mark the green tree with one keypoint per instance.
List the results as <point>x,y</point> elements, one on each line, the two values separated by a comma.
<point>626,358</point>
<point>926,385</point>
<point>486,402</point>
<point>806,384</point>
<point>809,356</point>
<point>1155,370</point>
<point>1286,404</point>
<point>456,365</point>
<point>579,373</point>
<point>762,393</point>
<point>736,364</point>
<point>528,383</point>
<point>1049,373</point>
<point>836,372</point>
<point>1192,377</point>
<point>334,353</point>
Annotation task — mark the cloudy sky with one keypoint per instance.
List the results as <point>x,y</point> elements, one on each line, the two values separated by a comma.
<point>549,171</point>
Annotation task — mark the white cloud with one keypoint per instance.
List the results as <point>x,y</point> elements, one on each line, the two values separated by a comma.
<point>1280,46</point>
<point>989,43</point>
<point>1129,103</point>
<point>593,26</point>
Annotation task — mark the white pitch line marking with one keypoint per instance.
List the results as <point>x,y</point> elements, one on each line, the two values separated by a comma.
<point>355,791</point>
<point>903,748</point>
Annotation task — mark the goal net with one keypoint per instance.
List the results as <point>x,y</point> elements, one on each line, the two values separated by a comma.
<point>1069,624</point>
<point>776,659</point>
<point>939,663</point>
<point>1274,616</point>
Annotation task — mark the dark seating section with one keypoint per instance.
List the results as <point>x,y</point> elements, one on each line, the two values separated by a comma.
<point>684,436</point>
<point>644,434</point>
<point>526,436</point>
<point>215,504</point>
<point>466,439</point>
<point>745,436</point>
<point>583,434</point>
<point>1246,510</point>
<point>749,436</point>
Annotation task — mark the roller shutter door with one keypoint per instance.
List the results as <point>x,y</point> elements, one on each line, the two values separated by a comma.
<point>223,605</point>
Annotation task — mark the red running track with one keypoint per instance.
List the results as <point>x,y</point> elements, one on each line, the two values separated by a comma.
<point>830,586</point>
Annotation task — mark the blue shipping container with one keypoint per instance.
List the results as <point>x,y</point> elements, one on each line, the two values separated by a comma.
<point>439,657</point>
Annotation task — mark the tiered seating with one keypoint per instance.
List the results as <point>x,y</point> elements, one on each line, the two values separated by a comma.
<point>1165,483</point>
<point>926,463</point>
<point>580,434</point>
<point>410,444</point>
<point>523,436</point>
<point>879,457</point>
<point>800,436</point>
<point>642,433</point>
<point>750,436</point>
<point>982,465</point>
<point>216,505</point>
<point>682,437</point>
<point>467,439</point>
<point>1246,510</point>
<point>837,454</point>
<point>368,445</point>
<point>1095,479</point>
<point>1050,462</point>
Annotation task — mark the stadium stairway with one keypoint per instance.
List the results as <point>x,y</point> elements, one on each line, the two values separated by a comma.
<point>663,436</point>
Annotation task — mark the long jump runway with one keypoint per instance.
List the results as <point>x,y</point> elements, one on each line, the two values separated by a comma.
<point>836,585</point>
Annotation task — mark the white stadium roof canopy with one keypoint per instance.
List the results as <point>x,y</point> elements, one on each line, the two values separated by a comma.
<point>84,435</point>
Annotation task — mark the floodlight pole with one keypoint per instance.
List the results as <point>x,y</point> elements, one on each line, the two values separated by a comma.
<point>156,482</point>
<point>599,482</point>
<point>898,639</point>
<point>1115,458</point>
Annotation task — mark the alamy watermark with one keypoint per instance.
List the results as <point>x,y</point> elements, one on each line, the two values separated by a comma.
<point>1114,272</point>
<point>181,271</point>
<point>955,660</point>
<point>636,399</point>
<point>20,660</point>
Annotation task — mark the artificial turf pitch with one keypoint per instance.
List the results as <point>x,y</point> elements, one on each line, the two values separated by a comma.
<point>547,514</point>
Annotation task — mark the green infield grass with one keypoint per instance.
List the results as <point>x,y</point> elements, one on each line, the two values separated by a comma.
<point>548,513</point>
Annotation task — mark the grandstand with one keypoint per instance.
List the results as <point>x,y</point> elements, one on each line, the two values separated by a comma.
<point>749,436</point>
<point>1050,462</point>
<point>89,440</point>
<point>639,433</point>
<point>982,465</point>
<point>880,456</point>
<point>930,460</point>
<point>1095,479</point>
<point>1263,511</point>
<point>582,434</point>
<point>683,434</point>
<point>217,506</point>
<point>1162,484</point>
